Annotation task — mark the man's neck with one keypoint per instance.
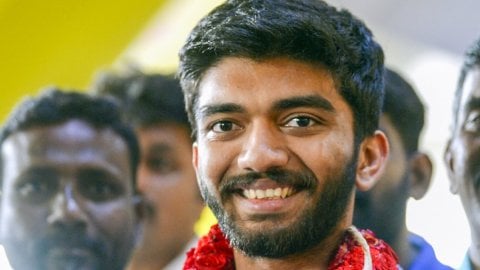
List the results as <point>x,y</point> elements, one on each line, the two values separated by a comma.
<point>317,257</point>
<point>404,250</point>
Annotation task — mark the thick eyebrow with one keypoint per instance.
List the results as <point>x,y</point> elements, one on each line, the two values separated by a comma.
<point>312,101</point>
<point>212,109</point>
<point>159,148</point>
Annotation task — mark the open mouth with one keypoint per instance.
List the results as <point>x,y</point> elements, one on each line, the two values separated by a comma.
<point>274,185</point>
<point>270,193</point>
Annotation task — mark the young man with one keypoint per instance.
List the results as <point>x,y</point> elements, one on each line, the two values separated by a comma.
<point>408,174</point>
<point>462,154</point>
<point>154,105</point>
<point>68,184</point>
<point>284,99</point>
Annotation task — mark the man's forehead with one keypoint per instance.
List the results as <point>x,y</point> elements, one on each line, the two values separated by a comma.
<point>60,143</point>
<point>249,75</point>
<point>73,132</point>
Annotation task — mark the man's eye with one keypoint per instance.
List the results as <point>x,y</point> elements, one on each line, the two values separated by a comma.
<point>160,164</point>
<point>36,189</point>
<point>97,186</point>
<point>99,190</point>
<point>472,123</point>
<point>301,121</point>
<point>224,126</point>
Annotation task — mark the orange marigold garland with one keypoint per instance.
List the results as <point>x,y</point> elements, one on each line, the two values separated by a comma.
<point>213,252</point>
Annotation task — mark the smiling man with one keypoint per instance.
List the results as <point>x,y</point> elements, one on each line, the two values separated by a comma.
<point>68,170</point>
<point>284,99</point>
<point>462,155</point>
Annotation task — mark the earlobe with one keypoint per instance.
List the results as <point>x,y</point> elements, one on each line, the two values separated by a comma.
<point>449,162</point>
<point>421,169</point>
<point>372,157</point>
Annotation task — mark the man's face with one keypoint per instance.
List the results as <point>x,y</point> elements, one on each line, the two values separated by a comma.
<point>387,199</point>
<point>167,179</point>
<point>67,198</point>
<point>275,154</point>
<point>463,153</point>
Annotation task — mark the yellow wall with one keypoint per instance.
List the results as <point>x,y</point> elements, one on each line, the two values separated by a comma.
<point>63,42</point>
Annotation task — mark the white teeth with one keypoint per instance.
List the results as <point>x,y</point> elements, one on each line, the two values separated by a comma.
<point>260,193</point>
<point>268,193</point>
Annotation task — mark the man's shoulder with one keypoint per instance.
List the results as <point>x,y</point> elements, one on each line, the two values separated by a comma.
<point>426,258</point>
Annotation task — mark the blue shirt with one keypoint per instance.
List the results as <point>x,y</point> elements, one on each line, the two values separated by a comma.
<point>425,258</point>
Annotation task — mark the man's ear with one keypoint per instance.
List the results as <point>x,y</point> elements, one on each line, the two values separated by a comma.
<point>421,170</point>
<point>372,158</point>
<point>195,155</point>
<point>449,162</point>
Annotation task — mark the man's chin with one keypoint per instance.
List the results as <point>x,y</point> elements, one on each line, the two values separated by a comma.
<point>72,258</point>
<point>263,224</point>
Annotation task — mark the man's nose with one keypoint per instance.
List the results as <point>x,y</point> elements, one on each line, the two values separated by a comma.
<point>66,210</point>
<point>264,148</point>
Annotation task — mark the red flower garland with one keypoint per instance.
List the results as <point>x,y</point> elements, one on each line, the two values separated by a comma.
<point>350,255</point>
<point>213,252</point>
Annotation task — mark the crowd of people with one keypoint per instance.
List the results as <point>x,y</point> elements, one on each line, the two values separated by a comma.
<point>282,119</point>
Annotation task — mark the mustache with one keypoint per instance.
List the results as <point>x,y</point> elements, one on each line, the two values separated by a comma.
<point>301,180</point>
<point>69,239</point>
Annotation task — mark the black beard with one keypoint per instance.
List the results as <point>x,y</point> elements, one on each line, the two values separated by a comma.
<point>314,225</point>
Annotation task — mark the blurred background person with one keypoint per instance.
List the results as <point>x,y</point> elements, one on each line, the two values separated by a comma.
<point>408,174</point>
<point>154,105</point>
<point>68,184</point>
<point>462,154</point>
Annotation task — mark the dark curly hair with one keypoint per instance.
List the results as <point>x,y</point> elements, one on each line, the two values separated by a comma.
<point>306,30</point>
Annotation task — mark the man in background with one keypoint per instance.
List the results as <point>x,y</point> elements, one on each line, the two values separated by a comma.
<point>153,104</point>
<point>462,154</point>
<point>68,196</point>
<point>408,174</point>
